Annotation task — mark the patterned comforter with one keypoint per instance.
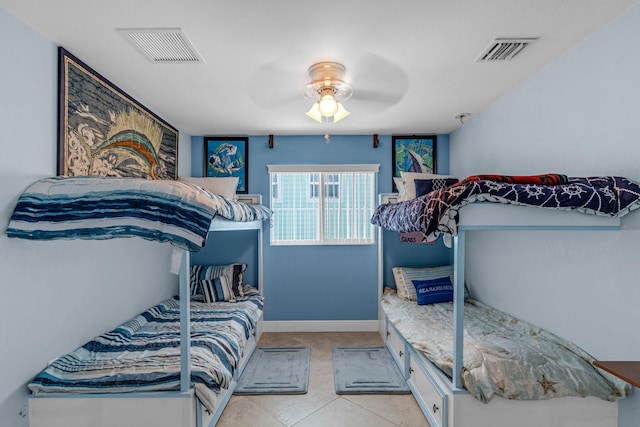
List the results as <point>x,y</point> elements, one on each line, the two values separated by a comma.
<point>104,208</point>
<point>437,212</point>
<point>503,356</point>
<point>143,354</point>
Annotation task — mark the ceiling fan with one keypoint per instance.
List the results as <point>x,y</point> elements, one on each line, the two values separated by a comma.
<point>371,84</point>
<point>327,84</point>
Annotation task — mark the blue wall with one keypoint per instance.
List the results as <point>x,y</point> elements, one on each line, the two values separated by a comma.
<point>397,253</point>
<point>318,282</point>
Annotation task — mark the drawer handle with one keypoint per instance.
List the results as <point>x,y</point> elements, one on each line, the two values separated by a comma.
<point>401,353</point>
<point>388,333</point>
<point>435,408</point>
<point>410,370</point>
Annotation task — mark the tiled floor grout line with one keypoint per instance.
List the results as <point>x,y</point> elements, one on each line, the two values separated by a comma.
<point>312,413</point>
<point>373,412</point>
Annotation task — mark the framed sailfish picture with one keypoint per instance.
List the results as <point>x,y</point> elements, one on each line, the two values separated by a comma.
<point>105,132</point>
<point>415,153</point>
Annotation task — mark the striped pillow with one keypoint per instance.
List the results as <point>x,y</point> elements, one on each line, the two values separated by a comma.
<point>233,272</point>
<point>403,277</point>
<point>217,289</point>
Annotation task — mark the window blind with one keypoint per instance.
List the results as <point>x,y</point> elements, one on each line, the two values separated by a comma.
<point>322,204</point>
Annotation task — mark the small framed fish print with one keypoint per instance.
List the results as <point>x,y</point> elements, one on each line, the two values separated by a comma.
<point>415,153</point>
<point>228,157</point>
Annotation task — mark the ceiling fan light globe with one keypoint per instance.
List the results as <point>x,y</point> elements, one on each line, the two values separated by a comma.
<point>328,105</point>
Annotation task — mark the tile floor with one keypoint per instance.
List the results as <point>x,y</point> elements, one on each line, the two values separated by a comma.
<point>321,406</point>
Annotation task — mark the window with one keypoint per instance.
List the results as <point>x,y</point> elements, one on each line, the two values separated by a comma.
<point>322,204</point>
<point>275,187</point>
<point>314,185</point>
<point>331,185</point>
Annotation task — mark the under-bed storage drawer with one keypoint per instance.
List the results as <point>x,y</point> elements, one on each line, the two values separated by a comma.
<point>161,409</point>
<point>396,346</point>
<point>428,393</point>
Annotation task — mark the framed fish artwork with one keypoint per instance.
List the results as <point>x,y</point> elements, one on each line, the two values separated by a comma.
<point>105,132</point>
<point>415,153</point>
<point>227,157</point>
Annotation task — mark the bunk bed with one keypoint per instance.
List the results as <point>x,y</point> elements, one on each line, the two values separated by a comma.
<point>189,381</point>
<point>447,392</point>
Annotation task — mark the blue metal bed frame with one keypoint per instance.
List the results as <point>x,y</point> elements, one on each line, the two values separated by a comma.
<point>185,314</point>
<point>484,216</point>
<point>584,223</point>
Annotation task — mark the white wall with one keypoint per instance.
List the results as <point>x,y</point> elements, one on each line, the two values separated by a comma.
<point>56,295</point>
<point>580,116</point>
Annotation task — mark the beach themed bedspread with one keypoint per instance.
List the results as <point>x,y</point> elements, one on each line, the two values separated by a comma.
<point>104,208</point>
<point>143,354</point>
<point>436,213</point>
<point>503,356</point>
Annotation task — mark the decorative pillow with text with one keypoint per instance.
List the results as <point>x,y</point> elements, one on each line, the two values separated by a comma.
<point>434,291</point>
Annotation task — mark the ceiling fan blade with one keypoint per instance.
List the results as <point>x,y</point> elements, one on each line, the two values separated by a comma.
<point>379,97</point>
<point>379,81</point>
<point>279,82</point>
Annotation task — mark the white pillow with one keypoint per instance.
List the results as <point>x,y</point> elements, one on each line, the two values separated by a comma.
<point>403,277</point>
<point>402,194</point>
<point>222,186</point>
<point>408,179</point>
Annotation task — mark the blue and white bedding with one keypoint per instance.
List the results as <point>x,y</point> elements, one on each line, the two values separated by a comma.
<point>503,356</point>
<point>143,354</point>
<point>104,208</point>
<point>437,212</point>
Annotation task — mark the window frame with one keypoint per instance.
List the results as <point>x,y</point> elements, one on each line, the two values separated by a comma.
<point>369,203</point>
<point>277,185</point>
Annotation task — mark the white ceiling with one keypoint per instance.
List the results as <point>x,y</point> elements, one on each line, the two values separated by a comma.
<point>416,55</point>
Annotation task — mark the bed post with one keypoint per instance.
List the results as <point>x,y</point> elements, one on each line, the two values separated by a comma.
<point>458,306</point>
<point>185,322</point>
<point>380,261</point>
<point>260,284</point>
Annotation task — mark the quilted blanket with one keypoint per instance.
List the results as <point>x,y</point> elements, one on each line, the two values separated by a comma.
<point>104,208</point>
<point>437,212</point>
<point>143,354</point>
<point>503,356</point>
<point>546,179</point>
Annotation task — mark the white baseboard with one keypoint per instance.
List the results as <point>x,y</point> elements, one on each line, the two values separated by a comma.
<point>320,326</point>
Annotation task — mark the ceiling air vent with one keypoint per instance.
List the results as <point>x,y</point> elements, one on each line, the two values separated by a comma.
<point>505,49</point>
<point>164,45</point>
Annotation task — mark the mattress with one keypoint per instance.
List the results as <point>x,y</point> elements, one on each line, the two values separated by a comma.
<point>436,213</point>
<point>143,354</point>
<point>105,208</point>
<point>503,355</point>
